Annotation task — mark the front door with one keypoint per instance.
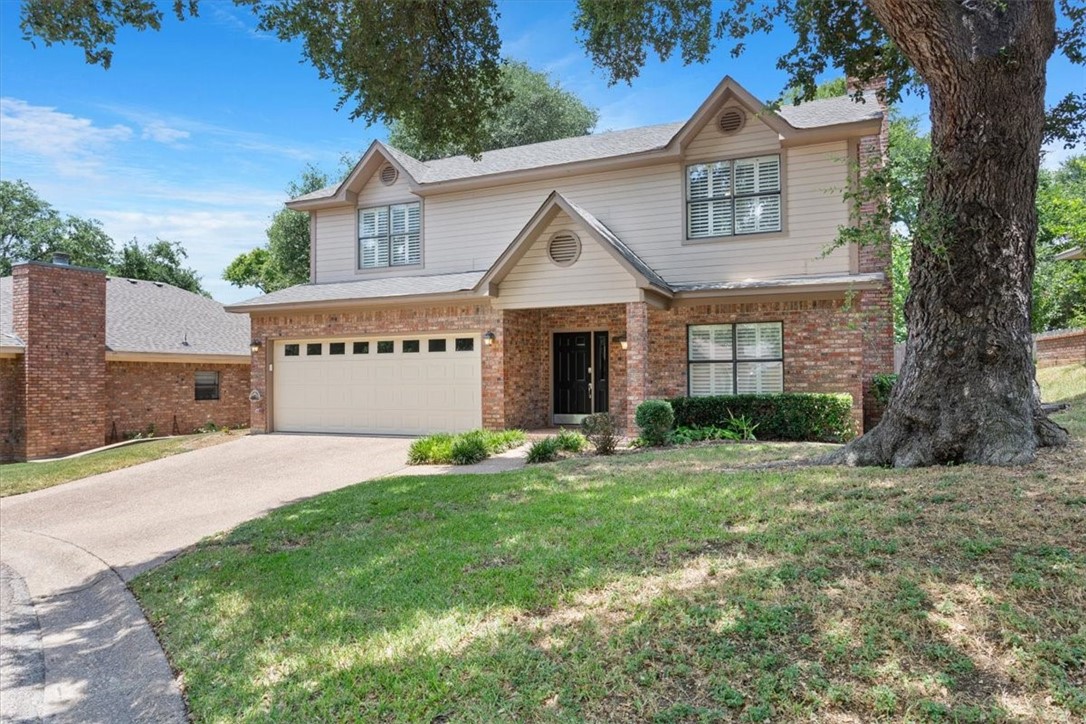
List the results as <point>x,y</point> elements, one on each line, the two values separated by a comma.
<point>580,375</point>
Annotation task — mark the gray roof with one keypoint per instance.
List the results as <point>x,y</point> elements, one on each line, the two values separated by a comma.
<point>830,112</point>
<point>780,283</point>
<point>153,317</point>
<point>367,289</point>
<point>8,338</point>
<point>618,244</point>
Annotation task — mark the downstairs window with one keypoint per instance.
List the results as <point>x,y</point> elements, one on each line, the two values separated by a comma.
<point>735,359</point>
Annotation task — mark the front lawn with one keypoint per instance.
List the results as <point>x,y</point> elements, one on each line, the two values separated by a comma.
<point>18,478</point>
<point>662,586</point>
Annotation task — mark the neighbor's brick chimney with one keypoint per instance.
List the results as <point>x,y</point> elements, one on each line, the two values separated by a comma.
<point>59,311</point>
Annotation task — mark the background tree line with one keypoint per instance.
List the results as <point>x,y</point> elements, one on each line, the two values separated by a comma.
<point>32,230</point>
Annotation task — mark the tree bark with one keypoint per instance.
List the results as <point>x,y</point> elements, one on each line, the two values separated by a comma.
<point>966,392</point>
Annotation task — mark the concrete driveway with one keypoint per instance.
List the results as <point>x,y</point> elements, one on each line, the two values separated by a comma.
<point>74,645</point>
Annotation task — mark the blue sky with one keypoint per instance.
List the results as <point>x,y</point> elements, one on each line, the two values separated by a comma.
<point>195,132</point>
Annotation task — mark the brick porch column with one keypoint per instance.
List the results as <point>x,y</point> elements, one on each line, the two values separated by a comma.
<point>637,361</point>
<point>493,364</point>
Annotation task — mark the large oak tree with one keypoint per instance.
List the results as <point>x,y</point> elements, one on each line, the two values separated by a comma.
<point>966,390</point>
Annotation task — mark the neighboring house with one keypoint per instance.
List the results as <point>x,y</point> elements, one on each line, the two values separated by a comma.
<point>546,282</point>
<point>1072,254</point>
<point>87,359</point>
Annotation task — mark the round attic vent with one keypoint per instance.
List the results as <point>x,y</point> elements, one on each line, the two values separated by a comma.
<point>564,248</point>
<point>389,174</point>
<point>731,121</point>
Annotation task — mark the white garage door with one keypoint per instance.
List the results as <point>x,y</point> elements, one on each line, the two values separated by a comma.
<point>387,385</point>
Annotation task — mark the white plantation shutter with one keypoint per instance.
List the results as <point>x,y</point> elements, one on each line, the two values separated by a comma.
<point>769,173</point>
<point>733,197</point>
<point>698,219</point>
<point>759,341</point>
<point>710,378</point>
<point>389,236</point>
<point>697,182</point>
<point>759,377</point>
<point>710,342</point>
<point>769,216</point>
<point>746,176</point>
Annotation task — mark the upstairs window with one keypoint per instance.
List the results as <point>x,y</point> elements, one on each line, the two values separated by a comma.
<point>735,359</point>
<point>390,236</point>
<point>725,198</point>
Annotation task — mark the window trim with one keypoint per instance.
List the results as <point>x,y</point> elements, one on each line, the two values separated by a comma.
<point>391,269</point>
<point>735,361</point>
<point>196,386</point>
<point>687,162</point>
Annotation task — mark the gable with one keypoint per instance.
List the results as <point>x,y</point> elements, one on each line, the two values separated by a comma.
<point>755,137</point>
<point>595,277</point>
<point>375,192</point>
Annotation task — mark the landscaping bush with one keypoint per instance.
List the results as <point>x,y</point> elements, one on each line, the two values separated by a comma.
<point>439,449</point>
<point>881,386</point>
<point>601,433</point>
<point>470,448</point>
<point>655,419</point>
<point>571,441</point>
<point>543,451</point>
<point>788,416</point>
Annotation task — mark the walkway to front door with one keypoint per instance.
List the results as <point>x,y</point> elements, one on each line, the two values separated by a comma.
<point>580,375</point>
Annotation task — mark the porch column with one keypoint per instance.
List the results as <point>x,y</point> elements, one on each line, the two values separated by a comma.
<point>493,363</point>
<point>637,361</point>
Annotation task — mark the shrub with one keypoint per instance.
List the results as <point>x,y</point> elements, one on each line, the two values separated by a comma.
<point>788,416</point>
<point>571,441</point>
<point>431,450</point>
<point>601,433</point>
<point>543,451</point>
<point>881,386</point>
<point>655,418</point>
<point>470,448</point>
<point>209,426</point>
<point>501,440</point>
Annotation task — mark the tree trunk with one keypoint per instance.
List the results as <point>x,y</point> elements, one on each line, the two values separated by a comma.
<point>966,392</point>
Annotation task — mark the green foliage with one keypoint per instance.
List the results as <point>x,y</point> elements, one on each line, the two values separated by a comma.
<point>601,431</point>
<point>159,261</point>
<point>544,451</point>
<point>571,441</point>
<point>1059,287</point>
<point>788,416</point>
<point>655,419</point>
<point>469,448</point>
<point>737,428</point>
<point>284,261</point>
<point>209,426</point>
<point>881,385</point>
<point>446,449</point>
<point>538,110</point>
<point>32,230</point>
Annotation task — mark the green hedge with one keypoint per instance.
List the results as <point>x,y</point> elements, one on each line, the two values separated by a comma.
<point>789,416</point>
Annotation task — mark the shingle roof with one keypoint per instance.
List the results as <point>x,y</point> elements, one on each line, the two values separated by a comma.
<point>780,283</point>
<point>364,289</point>
<point>8,338</point>
<point>152,317</point>
<point>830,112</point>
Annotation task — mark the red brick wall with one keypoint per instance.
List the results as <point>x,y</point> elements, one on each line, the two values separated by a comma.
<point>12,414</point>
<point>141,394</point>
<point>823,345</point>
<point>400,320</point>
<point>60,313</point>
<point>1065,347</point>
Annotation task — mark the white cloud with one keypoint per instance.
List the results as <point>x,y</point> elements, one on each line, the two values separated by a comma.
<point>161,133</point>
<point>71,145</point>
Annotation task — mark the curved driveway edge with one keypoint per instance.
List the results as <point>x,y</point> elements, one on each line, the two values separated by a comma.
<point>77,545</point>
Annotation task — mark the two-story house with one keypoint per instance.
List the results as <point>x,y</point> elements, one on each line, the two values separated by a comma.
<point>546,282</point>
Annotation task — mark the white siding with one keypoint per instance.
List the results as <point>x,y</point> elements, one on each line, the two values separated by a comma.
<point>645,207</point>
<point>755,138</point>
<point>595,278</point>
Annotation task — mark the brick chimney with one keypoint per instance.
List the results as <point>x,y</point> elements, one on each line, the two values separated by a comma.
<point>59,311</point>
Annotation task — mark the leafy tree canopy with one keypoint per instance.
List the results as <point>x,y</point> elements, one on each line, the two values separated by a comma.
<point>538,110</point>
<point>32,230</point>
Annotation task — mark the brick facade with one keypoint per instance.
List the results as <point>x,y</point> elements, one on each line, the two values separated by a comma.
<point>1063,347</point>
<point>12,413</point>
<point>163,395</point>
<point>60,314</point>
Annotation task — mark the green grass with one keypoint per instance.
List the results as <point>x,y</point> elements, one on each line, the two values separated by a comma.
<point>16,478</point>
<point>446,449</point>
<point>666,586</point>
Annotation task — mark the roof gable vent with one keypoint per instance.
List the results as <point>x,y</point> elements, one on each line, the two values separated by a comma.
<point>389,174</point>
<point>731,121</point>
<point>564,248</point>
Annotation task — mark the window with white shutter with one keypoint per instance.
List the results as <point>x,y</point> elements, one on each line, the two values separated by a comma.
<point>733,197</point>
<point>735,359</point>
<point>390,236</point>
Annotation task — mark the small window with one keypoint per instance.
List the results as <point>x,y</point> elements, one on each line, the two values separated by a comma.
<point>361,348</point>
<point>410,346</point>
<point>337,348</point>
<point>465,344</point>
<point>207,385</point>
<point>313,349</point>
<point>384,348</point>
<point>436,345</point>
<point>291,350</point>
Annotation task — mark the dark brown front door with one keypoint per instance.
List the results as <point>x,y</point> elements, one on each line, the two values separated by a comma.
<point>580,375</point>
